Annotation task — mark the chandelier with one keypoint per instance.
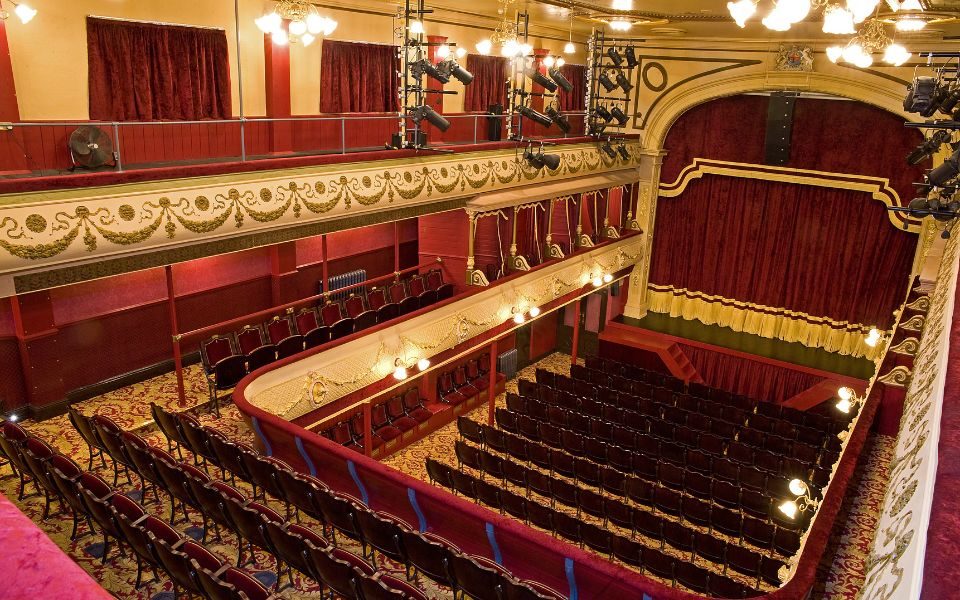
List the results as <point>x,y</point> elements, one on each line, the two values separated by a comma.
<point>504,36</point>
<point>871,38</point>
<point>303,23</point>
<point>24,12</point>
<point>839,16</point>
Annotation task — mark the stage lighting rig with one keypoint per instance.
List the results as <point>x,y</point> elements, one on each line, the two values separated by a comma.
<point>928,147</point>
<point>540,79</point>
<point>604,113</point>
<point>610,64</point>
<point>539,159</point>
<point>535,116</point>
<point>560,80</point>
<point>433,117</point>
<point>559,118</point>
<point>619,116</point>
<point>607,148</point>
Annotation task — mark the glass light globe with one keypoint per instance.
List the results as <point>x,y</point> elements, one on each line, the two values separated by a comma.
<point>510,48</point>
<point>863,61</point>
<point>910,24</point>
<point>518,318</point>
<point>416,27</point>
<point>834,53</point>
<point>741,11</point>
<point>838,20</point>
<point>330,25</point>
<point>569,48</point>
<point>845,393</point>
<point>423,364</point>
<point>268,23</point>
<point>298,27</point>
<point>484,46</point>
<point>607,278</point>
<point>797,487</point>
<point>461,52</point>
<point>861,9</point>
<point>852,52</point>
<point>443,51</point>
<point>844,406</point>
<point>560,62</point>
<point>525,49</point>
<point>793,11</point>
<point>789,508</point>
<point>25,13</point>
<point>776,22</point>
<point>549,61</point>
<point>307,39</point>
<point>622,5</point>
<point>597,282</point>
<point>315,24</point>
<point>535,312</point>
<point>400,373</point>
<point>280,37</point>
<point>620,25</point>
<point>13,418</point>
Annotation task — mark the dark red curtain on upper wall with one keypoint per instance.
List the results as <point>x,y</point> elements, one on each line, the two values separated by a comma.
<point>489,83</point>
<point>531,232</point>
<point>147,72</point>
<point>754,379</point>
<point>358,77</point>
<point>821,251</point>
<point>576,75</point>
<point>838,136</point>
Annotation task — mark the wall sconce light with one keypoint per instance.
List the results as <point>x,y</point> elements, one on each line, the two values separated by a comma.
<point>520,317</point>
<point>803,501</point>
<point>873,338</point>
<point>848,400</point>
<point>607,277</point>
<point>597,281</point>
<point>423,364</point>
<point>400,372</point>
<point>534,312</point>
<point>13,418</point>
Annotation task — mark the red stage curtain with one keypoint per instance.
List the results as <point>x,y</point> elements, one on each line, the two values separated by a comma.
<point>531,231</point>
<point>751,378</point>
<point>147,72</point>
<point>733,129</point>
<point>573,101</point>
<point>489,83</point>
<point>358,78</point>
<point>821,251</point>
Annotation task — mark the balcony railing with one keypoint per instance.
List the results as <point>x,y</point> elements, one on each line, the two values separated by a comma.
<point>32,149</point>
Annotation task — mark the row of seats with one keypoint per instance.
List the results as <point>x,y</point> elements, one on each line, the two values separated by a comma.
<point>657,491</point>
<point>626,549</point>
<point>228,357</point>
<point>340,514</point>
<point>122,520</point>
<point>390,420</point>
<point>464,381</point>
<point>658,441</point>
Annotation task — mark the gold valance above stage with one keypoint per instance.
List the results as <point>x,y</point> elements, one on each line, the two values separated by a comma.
<point>841,337</point>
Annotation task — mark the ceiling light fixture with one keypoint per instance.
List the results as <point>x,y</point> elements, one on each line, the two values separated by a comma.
<point>305,23</point>
<point>871,38</point>
<point>23,11</point>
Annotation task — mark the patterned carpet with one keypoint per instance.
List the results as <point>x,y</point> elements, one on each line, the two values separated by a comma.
<point>842,569</point>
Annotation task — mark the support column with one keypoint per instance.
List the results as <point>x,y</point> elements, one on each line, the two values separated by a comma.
<point>396,246</point>
<point>175,334</point>
<point>36,333</point>
<point>326,268</point>
<point>283,269</point>
<point>474,275</point>
<point>576,333</point>
<point>276,60</point>
<point>492,387</point>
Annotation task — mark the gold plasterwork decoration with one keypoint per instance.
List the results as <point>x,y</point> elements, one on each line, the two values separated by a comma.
<point>914,323</point>
<point>895,564</point>
<point>878,187</point>
<point>42,229</point>
<point>770,322</point>
<point>898,376</point>
<point>313,382</point>
<point>921,304</point>
<point>907,347</point>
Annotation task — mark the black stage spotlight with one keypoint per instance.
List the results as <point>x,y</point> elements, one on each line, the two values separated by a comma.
<point>433,117</point>
<point>615,56</point>
<point>945,172</point>
<point>597,128</point>
<point>451,67</point>
<point>540,160</point>
<point>535,116</point>
<point>950,101</point>
<point>603,113</point>
<point>423,66</point>
<point>928,147</point>
<point>606,82</point>
<point>631,57</point>
<point>540,79</point>
<point>624,153</point>
<point>560,80</point>
<point>619,115</point>
<point>560,119</point>
<point>534,160</point>
<point>608,149</point>
<point>623,82</point>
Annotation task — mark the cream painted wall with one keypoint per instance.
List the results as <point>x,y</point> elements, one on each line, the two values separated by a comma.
<point>49,54</point>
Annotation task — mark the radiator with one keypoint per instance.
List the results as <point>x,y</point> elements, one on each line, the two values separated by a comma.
<point>342,281</point>
<point>507,363</point>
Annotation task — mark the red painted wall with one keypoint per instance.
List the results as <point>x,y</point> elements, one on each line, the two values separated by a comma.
<point>444,235</point>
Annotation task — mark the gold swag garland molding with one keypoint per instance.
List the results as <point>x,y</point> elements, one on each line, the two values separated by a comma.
<point>772,323</point>
<point>43,228</point>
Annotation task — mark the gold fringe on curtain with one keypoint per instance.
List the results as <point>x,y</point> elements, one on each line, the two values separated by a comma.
<point>773,323</point>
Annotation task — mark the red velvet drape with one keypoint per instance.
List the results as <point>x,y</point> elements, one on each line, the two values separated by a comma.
<point>146,72</point>
<point>358,77</point>
<point>827,135</point>
<point>573,101</point>
<point>822,251</point>
<point>531,232</point>
<point>489,83</point>
<point>752,378</point>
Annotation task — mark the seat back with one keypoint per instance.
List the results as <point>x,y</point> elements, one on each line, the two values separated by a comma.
<point>109,433</point>
<point>397,292</point>
<point>167,423</point>
<point>354,305</point>
<point>280,328</point>
<point>228,372</point>
<point>330,313</point>
<point>215,349</point>
<point>306,320</point>
<point>376,298</point>
<point>250,338</point>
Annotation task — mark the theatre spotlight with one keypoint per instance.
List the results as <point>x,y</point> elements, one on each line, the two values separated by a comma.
<point>631,55</point>
<point>423,67</point>
<point>624,153</point>
<point>560,80</point>
<point>540,79</point>
<point>433,117</point>
<point>536,117</point>
<point>928,147</point>
<point>560,119</point>
<point>624,83</point>
<point>541,160</point>
<point>942,175</point>
<point>608,149</point>
<point>615,56</point>
<point>603,113</point>
<point>451,67</point>
<point>606,82</point>
<point>621,117</point>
